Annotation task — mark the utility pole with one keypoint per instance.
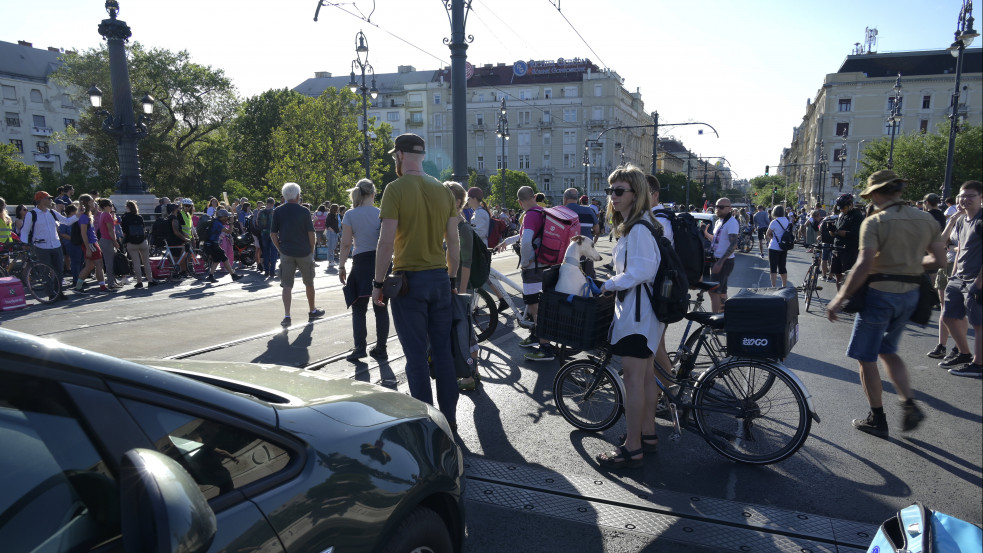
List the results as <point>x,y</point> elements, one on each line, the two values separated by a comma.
<point>459,86</point>
<point>655,140</point>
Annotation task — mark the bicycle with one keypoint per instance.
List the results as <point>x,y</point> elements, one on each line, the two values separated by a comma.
<point>40,279</point>
<point>484,308</point>
<point>170,268</point>
<point>810,284</point>
<point>745,242</point>
<point>751,410</point>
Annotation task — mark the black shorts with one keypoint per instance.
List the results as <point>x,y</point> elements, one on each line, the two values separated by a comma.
<point>761,233</point>
<point>722,276</point>
<point>777,260</point>
<point>633,345</point>
<point>216,252</point>
<point>843,260</point>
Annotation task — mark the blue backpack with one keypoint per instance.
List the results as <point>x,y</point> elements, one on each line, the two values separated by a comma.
<point>916,529</point>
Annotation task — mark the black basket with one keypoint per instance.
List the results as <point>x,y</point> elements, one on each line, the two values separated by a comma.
<point>581,323</point>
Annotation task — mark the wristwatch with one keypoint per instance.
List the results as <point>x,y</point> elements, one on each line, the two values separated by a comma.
<point>376,284</point>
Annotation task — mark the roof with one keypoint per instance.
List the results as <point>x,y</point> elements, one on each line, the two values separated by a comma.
<point>26,62</point>
<point>503,75</point>
<point>910,64</point>
<point>387,83</point>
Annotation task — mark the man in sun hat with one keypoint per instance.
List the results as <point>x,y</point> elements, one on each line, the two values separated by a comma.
<point>40,230</point>
<point>894,241</point>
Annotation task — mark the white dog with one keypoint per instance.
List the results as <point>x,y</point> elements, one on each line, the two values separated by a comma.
<point>572,279</point>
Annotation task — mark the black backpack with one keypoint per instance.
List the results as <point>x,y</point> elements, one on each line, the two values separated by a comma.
<point>159,232</point>
<point>669,294</point>
<point>687,241</point>
<point>787,241</point>
<point>480,263</point>
<point>76,238</point>
<point>204,228</point>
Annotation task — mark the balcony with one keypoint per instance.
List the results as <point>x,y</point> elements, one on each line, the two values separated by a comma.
<point>596,123</point>
<point>414,123</point>
<point>414,104</point>
<point>478,127</point>
<point>42,131</point>
<point>546,124</point>
<point>46,158</point>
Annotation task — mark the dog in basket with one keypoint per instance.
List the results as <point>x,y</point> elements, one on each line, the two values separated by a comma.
<point>572,279</point>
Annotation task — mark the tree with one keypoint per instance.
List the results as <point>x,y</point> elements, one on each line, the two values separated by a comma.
<point>514,180</point>
<point>251,138</point>
<point>672,187</point>
<point>193,102</point>
<point>766,186</point>
<point>18,180</point>
<point>920,159</point>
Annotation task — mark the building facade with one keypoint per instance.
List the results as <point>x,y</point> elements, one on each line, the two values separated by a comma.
<point>853,107</point>
<point>555,110</point>
<point>34,108</point>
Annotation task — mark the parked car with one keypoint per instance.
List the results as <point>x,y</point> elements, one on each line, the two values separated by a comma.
<point>101,454</point>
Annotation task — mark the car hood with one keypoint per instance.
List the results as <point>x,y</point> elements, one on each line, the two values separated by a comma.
<point>348,401</point>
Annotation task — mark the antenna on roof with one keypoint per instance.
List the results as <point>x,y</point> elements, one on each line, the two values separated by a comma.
<point>871,40</point>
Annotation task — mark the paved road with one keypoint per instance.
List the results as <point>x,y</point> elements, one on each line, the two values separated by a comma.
<point>530,472</point>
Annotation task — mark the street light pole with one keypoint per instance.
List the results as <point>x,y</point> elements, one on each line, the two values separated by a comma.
<point>122,124</point>
<point>843,162</point>
<point>361,62</point>
<point>964,37</point>
<point>503,133</point>
<point>894,119</point>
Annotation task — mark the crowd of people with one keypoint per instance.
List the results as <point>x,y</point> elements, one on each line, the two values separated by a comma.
<point>413,252</point>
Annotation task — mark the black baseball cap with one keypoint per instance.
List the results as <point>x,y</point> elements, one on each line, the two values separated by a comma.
<point>409,143</point>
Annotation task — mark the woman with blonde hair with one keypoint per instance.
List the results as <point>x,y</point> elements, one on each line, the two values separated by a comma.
<point>635,331</point>
<point>361,226</point>
<point>6,223</point>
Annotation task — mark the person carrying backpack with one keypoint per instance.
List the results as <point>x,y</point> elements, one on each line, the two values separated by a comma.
<point>724,244</point>
<point>635,331</point>
<point>470,241</point>
<point>270,255</point>
<point>532,272</point>
<point>777,230</point>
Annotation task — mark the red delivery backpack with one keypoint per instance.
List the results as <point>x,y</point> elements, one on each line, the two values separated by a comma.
<point>560,224</point>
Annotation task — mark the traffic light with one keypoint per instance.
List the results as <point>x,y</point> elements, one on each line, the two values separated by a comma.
<point>776,190</point>
<point>766,169</point>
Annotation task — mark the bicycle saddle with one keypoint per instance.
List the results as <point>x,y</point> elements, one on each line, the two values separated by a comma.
<point>705,286</point>
<point>713,320</point>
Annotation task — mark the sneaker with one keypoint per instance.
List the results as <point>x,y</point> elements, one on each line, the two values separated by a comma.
<point>316,314</point>
<point>969,369</point>
<point>957,360</point>
<point>138,285</point>
<point>874,425</point>
<point>503,307</point>
<point>104,288</point>
<point>911,415</point>
<point>379,352</point>
<point>356,355</point>
<point>236,277</point>
<point>529,342</point>
<point>467,384</point>
<point>544,353</point>
<point>285,322</point>
<point>937,353</point>
<point>211,278</point>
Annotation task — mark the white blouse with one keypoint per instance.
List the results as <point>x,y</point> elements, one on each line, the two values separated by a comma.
<point>640,247</point>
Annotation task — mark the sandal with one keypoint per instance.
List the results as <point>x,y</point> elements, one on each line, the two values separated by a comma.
<point>647,448</point>
<point>620,459</point>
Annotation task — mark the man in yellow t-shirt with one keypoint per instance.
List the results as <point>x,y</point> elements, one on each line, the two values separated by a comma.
<point>418,215</point>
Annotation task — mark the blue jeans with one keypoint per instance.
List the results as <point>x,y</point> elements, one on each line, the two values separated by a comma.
<point>423,318</point>
<point>878,326</point>
<point>332,239</point>
<point>270,255</point>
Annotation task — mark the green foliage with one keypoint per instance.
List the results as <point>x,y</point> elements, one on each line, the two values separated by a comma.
<point>18,180</point>
<point>920,158</point>
<point>251,138</point>
<point>514,180</point>
<point>765,186</point>
<point>193,101</point>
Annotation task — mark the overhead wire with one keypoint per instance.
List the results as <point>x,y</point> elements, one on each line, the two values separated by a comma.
<point>556,5</point>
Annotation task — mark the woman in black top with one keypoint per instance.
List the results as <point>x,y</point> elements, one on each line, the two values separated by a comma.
<point>135,237</point>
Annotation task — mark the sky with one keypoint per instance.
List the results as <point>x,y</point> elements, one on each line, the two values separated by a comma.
<point>745,67</point>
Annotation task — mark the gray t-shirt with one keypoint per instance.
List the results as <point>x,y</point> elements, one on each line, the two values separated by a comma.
<point>365,223</point>
<point>970,257</point>
<point>761,219</point>
<point>292,223</point>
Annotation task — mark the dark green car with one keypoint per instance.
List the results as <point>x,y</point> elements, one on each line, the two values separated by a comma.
<point>100,454</point>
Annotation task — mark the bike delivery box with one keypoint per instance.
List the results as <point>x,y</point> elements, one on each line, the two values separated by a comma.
<point>581,323</point>
<point>155,266</point>
<point>12,294</point>
<point>762,323</point>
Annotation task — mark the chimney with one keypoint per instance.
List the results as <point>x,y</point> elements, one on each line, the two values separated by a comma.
<point>322,75</point>
<point>501,64</point>
<point>25,43</point>
<point>405,69</point>
<point>53,49</point>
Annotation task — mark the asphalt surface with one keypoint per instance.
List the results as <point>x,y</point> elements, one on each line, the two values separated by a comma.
<point>840,474</point>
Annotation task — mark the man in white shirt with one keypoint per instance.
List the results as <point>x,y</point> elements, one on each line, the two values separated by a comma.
<point>41,231</point>
<point>724,244</point>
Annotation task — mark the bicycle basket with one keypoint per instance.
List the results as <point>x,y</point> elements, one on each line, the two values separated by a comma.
<point>577,322</point>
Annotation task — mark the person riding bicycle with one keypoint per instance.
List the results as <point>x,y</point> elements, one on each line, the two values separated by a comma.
<point>847,237</point>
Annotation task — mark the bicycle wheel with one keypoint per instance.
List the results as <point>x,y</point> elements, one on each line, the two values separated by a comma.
<point>484,314</point>
<point>812,276</point>
<point>748,419</point>
<point>198,265</point>
<point>42,282</point>
<point>587,395</point>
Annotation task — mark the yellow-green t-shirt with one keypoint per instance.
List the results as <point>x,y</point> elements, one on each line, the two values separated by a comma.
<point>422,206</point>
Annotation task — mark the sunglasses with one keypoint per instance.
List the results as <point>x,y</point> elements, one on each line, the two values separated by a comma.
<point>616,191</point>
<point>721,206</point>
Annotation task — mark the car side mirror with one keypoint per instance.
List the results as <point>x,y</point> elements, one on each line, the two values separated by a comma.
<point>163,510</point>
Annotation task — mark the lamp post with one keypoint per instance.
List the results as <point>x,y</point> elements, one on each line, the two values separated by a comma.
<point>842,161</point>
<point>586,166</point>
<point>823,163</point>
<point>361,62</point>
<point>964,37</point>
<point>894,119</point>
<point>120,123</point>
<point>503,134</point>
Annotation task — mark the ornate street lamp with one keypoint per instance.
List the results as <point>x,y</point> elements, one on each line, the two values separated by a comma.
<point>964,37</point>
<point>823,164</point>
<point>842,162</point>
<point>121,123</point>
<point>361,62</point>
<point>894,119</point>
<point>503,134</point>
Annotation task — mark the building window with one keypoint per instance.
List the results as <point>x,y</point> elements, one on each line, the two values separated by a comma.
<point>436,98</point>
<point>480,163</point>
<point>547,93</point>
<point>525,138</point>
<point>887,128</point>
<point>479,119</point>
<point>36,96</point>
<point>479,140</point>
<point>598,90</point>
<point>547,117</point>
<point>523,161</point>
<point>39,121</point>
<point>498,161</point>
<point>416,117</point>
<point>569,161</point>
<point>481,96</point>
<point>547,163</point>
<point>845,104</point>
<point>926,102</point>
<point>19,144</point>
<point>890,103</point>
<point>547,139</point>
<point>923,126</point>
<point>13,119</point>
<point>69,123</point>
<point>524,117</point>
<point>546,184</point>
<point>438,141</point>
<point>525,95</point>
<point>598,113</point>
<point>569,137</point>
<point>838,181</point>
<point>569,92</point>
<point>9,93</point>
<point>570,115</point>
<point>842,129</point>
<point>392,116</point>
<point>42,147</point>
<point>438,120</point>
<point>569,182</point>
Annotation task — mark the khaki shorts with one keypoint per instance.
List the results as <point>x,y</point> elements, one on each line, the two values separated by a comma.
<point>942,276</point>
<point>289,265</point>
